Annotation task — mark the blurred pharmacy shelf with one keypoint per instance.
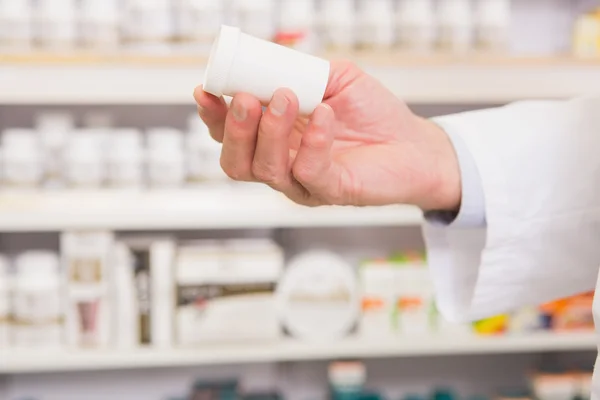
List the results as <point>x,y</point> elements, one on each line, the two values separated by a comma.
<point>26,361</point>
<point>218,207</point>
<point>88,79</point>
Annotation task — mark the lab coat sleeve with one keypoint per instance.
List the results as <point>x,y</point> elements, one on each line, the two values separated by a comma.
<point>539,168</point>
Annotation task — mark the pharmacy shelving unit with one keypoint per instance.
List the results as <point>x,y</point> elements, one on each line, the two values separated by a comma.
<point>15,361</point>
<point>84,79</point>
<point>220,207</point>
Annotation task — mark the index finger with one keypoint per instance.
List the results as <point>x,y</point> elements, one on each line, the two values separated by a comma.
<point>213,111</point>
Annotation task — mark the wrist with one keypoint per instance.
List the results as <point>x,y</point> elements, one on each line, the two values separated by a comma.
<point>444,189</point>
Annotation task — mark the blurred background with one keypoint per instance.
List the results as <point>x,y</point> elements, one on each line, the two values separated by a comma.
<point>133,269</point>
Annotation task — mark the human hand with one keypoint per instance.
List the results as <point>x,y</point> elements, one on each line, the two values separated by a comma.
<point>362,146</point>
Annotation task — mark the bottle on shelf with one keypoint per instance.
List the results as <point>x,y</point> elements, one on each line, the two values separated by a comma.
<point>376,24</point>
<point>203,154</point>
<point>493,20</point>
<point>165,157</point>
<point>149,25</point>
<point>255,17</point>
<point>84,160</point>
<point>198,22</point>
<point>338,25</point>
<point>15,25</point>
<point>296,27</point>
<point>5,293</point>
<point>37,308</point>
<point>22,158</point>
<point>456,28</point>
<point>415,26</point>
<point>99,24</point>
<point>56,24</point>
<point>125,159</point>
<point>54,129</point>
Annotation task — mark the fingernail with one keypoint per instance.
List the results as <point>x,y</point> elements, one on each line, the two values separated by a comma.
<point>279,104</point>
<point>239,111</point>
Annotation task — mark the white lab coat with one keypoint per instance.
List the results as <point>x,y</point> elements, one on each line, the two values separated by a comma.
<point>539,163</point>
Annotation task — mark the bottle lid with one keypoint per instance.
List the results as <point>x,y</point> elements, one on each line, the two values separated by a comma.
<point>20,138</point>
<point>221,59</point>
<point>165,138</point>
<point>86,143</point>
<point>347,373</point>
<point>37,263</point>
<point>54,121</point>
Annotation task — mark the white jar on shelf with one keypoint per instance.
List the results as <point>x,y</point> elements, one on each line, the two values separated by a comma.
<point>376,24</point>
<point>56,23</point>
<point>15,25</point>
<point>84,159</point>
<point>125,158</point>
<point>338,24</point>
<point>255,17</point>
<point>149,25</point>
<point>203,154</point>
<point>22,158</point>
<point>5,293</point>
<point>165,157</point>
<point>456,27</point>
<point>198,22</point>
<point>37,306</point>
<point>99,23</point>
<point>54,129</point>
<point>296,27</point>
<point>415,25</point>
<point>493,23</point>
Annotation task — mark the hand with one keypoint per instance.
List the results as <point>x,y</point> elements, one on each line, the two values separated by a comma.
<point>362,146</point>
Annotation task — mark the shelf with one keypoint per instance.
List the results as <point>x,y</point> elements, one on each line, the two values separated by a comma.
<point>25,361</point>
<point>217,207</point>
<point>128,79</point>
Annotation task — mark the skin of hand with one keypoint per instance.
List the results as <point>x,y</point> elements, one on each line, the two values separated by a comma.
<point>362,146</point>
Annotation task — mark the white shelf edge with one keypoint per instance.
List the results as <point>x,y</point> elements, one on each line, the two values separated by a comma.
<point>29,361</point>
<point>224,207</point>
<point>449,84</point>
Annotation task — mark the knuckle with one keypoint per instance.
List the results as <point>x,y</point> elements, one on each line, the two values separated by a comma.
<point>235,172</point>
<point>266,174</point>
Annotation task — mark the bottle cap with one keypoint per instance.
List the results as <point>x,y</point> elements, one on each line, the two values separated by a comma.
<point>221,60</point>
<point>37,263</point>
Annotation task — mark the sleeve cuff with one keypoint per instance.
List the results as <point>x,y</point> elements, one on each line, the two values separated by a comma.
<point>472,208</point>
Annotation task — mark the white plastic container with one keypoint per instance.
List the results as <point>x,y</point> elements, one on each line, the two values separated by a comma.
<point>149,25</point>
<point>203,154</point>
<point>318,297</point>
<point>54,129</point>
<point>256,17</point>
<point>126,326</point>
<point>456,26</point>
<point>415,26</point>
<point>493,23</point>
<point>86,257</point>
<point>37,306</point>
<point>297,25</point>
<point>242,63</point>
<point>15,25</point>
<point>56,22</point>
<point>338,25</point>
<point>85,164</point>
<point>377,25</point>
<point>99,23</point>
<point>125,158</point>
<point>165,157</point>
<point>23,164</point>
<point>5,293</point>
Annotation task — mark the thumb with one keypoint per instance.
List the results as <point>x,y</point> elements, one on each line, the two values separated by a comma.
<point>313,166</point>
